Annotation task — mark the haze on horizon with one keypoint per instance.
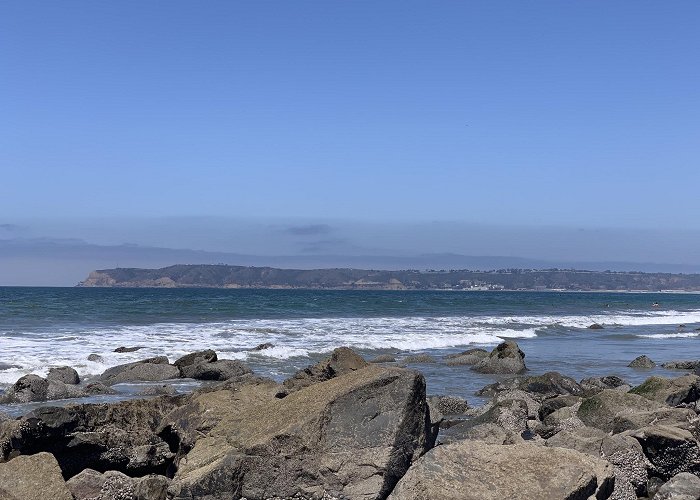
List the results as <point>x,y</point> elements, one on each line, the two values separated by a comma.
<point>347,132</point>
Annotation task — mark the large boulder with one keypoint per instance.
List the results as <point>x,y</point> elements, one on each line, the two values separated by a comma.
<point>33,477</point>
<point>120,436</point>
<point>669,449</point>
<point>675,391</point>
<point>223,369</point>
<point>341,361</point>
<point>468,357</point>
<point>479,471</point>
<point>505,358</point>
<point>151,370</point>
<point>683,486</point>
<point>64,374</point>
<point>682,365</point>
<point>600,410</point>
<point>593,385</point>
<point>352,436</point>
<point>92,485</point>
<point>642,362</point>
<point>547,385</point>
<point>509,415</point>
<point>677,417</point>
<point>31,388</point>
<point>195,358</point>
<point>583,439</point>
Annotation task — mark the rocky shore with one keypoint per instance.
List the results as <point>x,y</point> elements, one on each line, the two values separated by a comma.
<point>347,428</point>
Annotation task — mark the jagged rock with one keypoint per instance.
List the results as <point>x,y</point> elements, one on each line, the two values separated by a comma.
<point>96,358</point>
<point>31,388</point>
<point>677,417</point>
<point>563,419</point>
<point>420,358</point>
<point>533,405</point>
<point>595,326</point>
<point>119,436</point>
<point>449,405</point>
<point>547,385</point>
<point>630,465</point>
<point>262,347</point>
<point>475,470</point>
<point>195,358</point>
<point>35,477</point>
<point>342,360</point>
<point>150,370</point>
<point>222,369</point>
<point>683,486</point>
<point>383,358</point>
<point>643,362</point>
<point>552,404</point>
<point>600,410</point>
<point>87,484</point>
<point>669,449</point>
<point>676,391</point>
<point>64,374</point>
<point>511,416</point>
<point>468,357</point>
<point>593,385</point>
<point>127,349</point>
<point>353,435</point>
<point>505,358</point>
<point>682,365</point>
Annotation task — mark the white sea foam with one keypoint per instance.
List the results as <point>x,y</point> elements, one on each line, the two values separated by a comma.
<point>679,335</point>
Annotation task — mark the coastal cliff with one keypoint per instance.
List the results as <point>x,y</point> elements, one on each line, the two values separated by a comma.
<point>226,276</point>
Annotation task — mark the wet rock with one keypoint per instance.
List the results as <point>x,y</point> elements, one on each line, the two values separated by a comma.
<point>98,389</point>
<point>64,374</point>
<point>420,358</point>
<point>127,349</point>
<point>642,362</point>
<point>682,365</point>
<point>148,370</point>
<point>223,369</point>
<point>669,449</point>
<point>95,358</point>
<point>600,410</point>
<point>505,358</point>
<point>683,486</point>
<point>595,326</point>
<point>547,385</point>
<point>383,358</point>
<point>31,388</point>
<point>330,438</point>
<point>32,478</point>
<point>262,347</point>
<point>195,358</point>
<point>343,360</point>
<point>479,471</point>
<point>158,390</point>
<point>594,385</point>
<point>676,391</point>
<point>468,357</point>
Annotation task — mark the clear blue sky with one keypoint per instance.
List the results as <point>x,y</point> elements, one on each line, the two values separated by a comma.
<point>504,112</point>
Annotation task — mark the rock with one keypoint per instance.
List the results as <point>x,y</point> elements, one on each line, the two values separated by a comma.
<point>593,385</point>
<point>150,370</point>
<point>87,484</point>
<point>563,419</point>
<point>600,410</point>
<point>682,365</point>
<point>383,358</point>
<point>127,349</point>
<point>468,357</point>
<point>33,477</point>
<point>119,436</point>
<point>196,358</point>
<point>449,405</point>
<point>677,417</point>
<point>158,390</point>
<point>64,374</point>
<point>552,404</point>
<point>352,436</point>
<point>683,486</point>
<point>505,358</point>
<point>643,362</point>
<point>595,326</point>
<point>583,439</point>
<point>96,358</point>
<point>152,487</point>
<point>630,465</point>
<point>222,369</point>
<point>510,415</point>
<point>343,360</point>
<point>98,389</point>
<point>262,347</point>
<point>479,471</point>
<point>676,391</point>
<point>420,358</point>
<point>547,385</point>
<point>30,388</point>
<point>669,449</point>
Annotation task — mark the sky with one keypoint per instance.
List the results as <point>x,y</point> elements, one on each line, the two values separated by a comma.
<point>404,114</point>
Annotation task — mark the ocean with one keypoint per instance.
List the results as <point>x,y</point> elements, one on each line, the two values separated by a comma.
<point>45,327</point>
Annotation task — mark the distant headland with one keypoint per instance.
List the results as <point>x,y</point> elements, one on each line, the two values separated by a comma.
<point>228,276</point>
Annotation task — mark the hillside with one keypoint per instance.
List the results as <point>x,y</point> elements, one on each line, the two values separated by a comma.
<point>225,276</point>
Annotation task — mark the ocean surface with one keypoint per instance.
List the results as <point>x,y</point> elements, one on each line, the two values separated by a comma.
<point>45,327</point>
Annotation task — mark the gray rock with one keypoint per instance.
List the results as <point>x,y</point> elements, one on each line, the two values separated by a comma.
<point>262,347</point>
<point>583,439</point>
<point>158,390</point>
<point>505,358</point>
<point>676,417</point>
<point>33,477</point>
<point>449,405</point>
<point>676,391</point>
<point>127,349</point>
<point>473,470</point>
<point>96,358</point>
<point>151,370</point>
<point>552,404</point>
<point>510,415</point>
<point>600,410</point>
<point>151,487</point>
<point>683,486</point>
<point>630,464</point>
<point>64,374</point>
<point>31,388</point>
<point>468,357</point>
<point>98,389</point>
<point>682,365</point>
<point>341,361</point>
<point>594,385</point>
<point>595,326</point>
<point>547,385</point>
<point>223,369</point>
<point>383,358</point>
<point>196,358</point>
<point>86,485</point>
<point>420,359</point>
<point>563,419</point>
<point>669,449</point>
<point>643,362</point>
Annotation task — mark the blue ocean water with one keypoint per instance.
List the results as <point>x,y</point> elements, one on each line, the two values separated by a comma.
<point>44,327</point>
